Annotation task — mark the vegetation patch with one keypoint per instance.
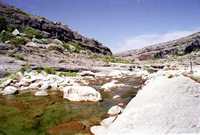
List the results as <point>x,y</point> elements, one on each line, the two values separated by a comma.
<point>26,114</point>
<point>73,47</point>
<point>32,33</point>
<point>50,70</point>
<point>19,40</point>
<point>5,36</point>
<point>68,73</point>
<point>108,58</point>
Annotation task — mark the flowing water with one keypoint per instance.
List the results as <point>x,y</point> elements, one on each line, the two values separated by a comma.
<point>25,114</point>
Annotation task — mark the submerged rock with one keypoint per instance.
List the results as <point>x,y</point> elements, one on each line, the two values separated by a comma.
<point>110,85</point>
<point>87,73</point>
<point>41,93</point>
<point>81,93</point>
<point>116,96</point>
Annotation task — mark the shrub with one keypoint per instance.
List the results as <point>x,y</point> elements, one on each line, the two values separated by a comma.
<point>49,70</point>
<point>18,41</point>
<point>32,33</point>
<point>5,36</point>
<point>72,47</point>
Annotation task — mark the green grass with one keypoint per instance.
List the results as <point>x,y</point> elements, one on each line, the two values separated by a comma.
<point>69,73</point>
<point>112,59</point>
<point>14,40</point>
<point>29,115</point>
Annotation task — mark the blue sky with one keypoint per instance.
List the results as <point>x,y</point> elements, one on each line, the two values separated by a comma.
<point>121,24</point>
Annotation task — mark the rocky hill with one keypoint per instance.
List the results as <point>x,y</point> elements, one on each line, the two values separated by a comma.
<point>20,19</point>
<point>28,41</point>
<point>177,47</point>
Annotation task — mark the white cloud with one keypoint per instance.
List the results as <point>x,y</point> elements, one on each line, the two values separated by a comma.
<point>141,41</point>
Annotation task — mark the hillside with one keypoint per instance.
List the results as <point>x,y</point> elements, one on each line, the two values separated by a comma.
<point>36,42</point>
<point>19,19</point>
<point>177,47</point>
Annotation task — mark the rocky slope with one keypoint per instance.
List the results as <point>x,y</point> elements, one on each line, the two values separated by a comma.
<point>37,43</point>
<point>178,47</point>
<point>19,19</point>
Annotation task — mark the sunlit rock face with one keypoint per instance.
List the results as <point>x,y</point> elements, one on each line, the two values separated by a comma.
<point>163,106</point>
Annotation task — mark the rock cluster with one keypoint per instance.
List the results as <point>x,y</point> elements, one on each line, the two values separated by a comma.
<point>41,83</point>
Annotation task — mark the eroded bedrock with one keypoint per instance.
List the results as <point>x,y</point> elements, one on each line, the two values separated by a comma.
<point>165,105</point>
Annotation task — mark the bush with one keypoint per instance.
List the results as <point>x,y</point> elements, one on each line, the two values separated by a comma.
<point>73,47</point>
<point>32,33</point>
<point>18,41</point>
<point>5,36</point>
<point>49,70</point>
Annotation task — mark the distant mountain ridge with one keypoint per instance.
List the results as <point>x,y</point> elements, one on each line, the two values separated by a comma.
<point>19,18</point>
<point>180,46</point>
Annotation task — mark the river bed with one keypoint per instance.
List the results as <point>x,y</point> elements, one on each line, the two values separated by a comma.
<point>25,114</point>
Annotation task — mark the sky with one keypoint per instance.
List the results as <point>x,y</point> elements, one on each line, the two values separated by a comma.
<point>121,24</point>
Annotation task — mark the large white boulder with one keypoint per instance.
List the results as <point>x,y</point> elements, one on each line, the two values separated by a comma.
<point>81,93</point>
<point>9,90</point>
<point>15,32</point>
<point>115,110</point>
<point>164,106</point>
